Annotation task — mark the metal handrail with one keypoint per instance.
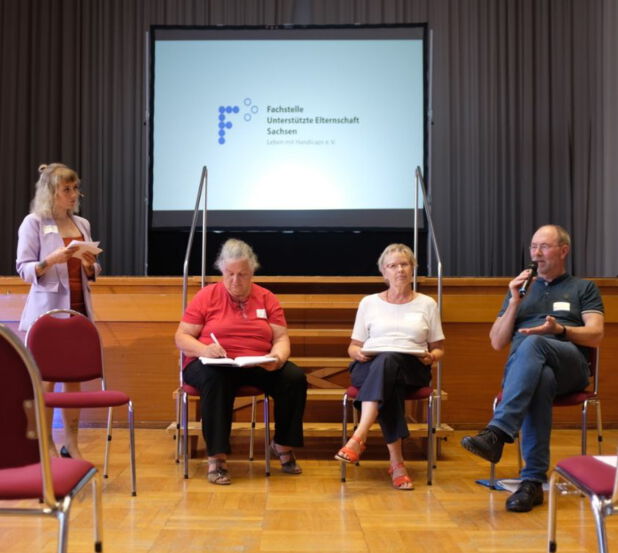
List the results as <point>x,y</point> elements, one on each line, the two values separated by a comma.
<point>431,236</point>
<point>203,187</point>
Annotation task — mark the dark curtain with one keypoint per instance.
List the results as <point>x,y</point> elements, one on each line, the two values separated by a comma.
<point>519,136</point>
<point>607,230</point>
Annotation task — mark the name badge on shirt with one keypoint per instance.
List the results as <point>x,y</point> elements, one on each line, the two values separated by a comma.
<point>260,313</point>
<point>50,228</point>
<point>562,306</point>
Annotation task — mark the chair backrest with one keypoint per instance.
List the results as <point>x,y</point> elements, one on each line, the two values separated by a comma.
<point>614,499</point>
<point>66,346</point>
<point>22,407</point>
<point>17,406</point>
<point>593,364</point>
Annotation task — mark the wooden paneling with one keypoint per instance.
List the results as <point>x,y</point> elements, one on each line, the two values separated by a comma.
<point>137,318</point>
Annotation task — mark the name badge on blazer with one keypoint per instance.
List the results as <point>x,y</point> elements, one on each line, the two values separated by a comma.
<point>47,229</point>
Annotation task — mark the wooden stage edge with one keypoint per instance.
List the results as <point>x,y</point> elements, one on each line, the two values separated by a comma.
<point>137,317</point>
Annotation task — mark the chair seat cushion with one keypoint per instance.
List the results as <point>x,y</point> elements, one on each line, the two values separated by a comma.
<point>243,391</point>
<point>97,398</point>
<point>589,473</point>
<point>566,400</point>
<point>190,390</point>
<point>576,398</point>
<point>27,482</point>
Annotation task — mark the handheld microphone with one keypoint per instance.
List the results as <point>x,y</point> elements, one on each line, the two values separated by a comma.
<point>524,287</point>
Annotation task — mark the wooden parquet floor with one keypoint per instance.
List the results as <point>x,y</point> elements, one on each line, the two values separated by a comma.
<point>311,512</point>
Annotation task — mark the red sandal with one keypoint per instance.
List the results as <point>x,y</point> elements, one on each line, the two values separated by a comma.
<point>347,454</point>
<point>402,479</point>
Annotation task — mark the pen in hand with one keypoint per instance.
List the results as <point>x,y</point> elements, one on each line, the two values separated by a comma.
<point>214,339</point>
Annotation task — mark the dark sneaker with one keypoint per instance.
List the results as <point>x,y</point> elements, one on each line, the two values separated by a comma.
<point>486,444</point>
<point>528,495</point>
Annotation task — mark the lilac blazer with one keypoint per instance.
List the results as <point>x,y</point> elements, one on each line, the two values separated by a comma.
<point>37,238</point>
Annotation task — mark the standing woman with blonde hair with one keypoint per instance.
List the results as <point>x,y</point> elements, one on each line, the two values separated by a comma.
<point>44,259</point>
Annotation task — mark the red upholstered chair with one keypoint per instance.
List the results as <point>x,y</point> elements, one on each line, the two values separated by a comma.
<point>67,348</point>
<point>593,478</point>
<point>185,391</point>
<point>412,394</point>
<point>26,470</point>
<point>588,396</point>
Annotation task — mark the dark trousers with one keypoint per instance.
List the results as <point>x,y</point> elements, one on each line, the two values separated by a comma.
<point>385,379</point>
<point>218,385</point>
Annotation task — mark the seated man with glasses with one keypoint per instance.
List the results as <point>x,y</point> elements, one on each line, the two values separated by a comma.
<point>549,329</point>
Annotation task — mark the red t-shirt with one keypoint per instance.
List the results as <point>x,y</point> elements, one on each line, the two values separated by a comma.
<point>241,328</point>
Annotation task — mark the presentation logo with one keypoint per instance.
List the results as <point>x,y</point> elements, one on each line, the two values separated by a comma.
<point>231,112</point>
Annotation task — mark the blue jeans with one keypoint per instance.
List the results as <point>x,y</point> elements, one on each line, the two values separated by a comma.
<point>539,370</point>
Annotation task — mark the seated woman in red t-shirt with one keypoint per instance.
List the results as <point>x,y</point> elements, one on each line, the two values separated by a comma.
<point>234,318</point>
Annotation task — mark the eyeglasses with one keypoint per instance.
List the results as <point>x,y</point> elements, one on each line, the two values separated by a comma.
<point>543,247</point>
<point>403,265</point>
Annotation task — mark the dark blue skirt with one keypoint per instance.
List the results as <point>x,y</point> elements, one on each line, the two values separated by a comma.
<point>376,378</point>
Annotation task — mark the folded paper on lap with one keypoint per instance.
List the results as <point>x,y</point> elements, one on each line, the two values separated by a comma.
<point>395,349</point>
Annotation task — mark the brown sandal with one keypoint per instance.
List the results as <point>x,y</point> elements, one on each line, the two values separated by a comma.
<point>290,466</point>
<point>220,475</point>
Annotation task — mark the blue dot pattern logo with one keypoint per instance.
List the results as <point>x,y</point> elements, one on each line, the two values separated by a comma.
<point>226,112</point>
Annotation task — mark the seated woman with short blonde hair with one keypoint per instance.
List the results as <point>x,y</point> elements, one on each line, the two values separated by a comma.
<point>397,337</point>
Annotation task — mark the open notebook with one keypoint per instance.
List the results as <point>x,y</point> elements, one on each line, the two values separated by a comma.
<point>246,361</point>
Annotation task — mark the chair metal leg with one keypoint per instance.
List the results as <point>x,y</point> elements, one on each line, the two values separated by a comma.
<point>492,476</point>
<point>252,429</point>
<point>355,425</point>
<point>551,514</point>
<point>108,442</point>
<point>344,434</point>
<point>520,453</point>
<point>435,408</point>
<point>63,531</point>
<point>431,436</point>
<point>185,432</point>
<point>597,403</point>
<point>584,427</point>
<point>492,466</point>
<point>178,423</point>
<point>63,513</point>
<point>267,435</point>
<point>132,448</point>
<point>599,521</point>
<point>97,505</point>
